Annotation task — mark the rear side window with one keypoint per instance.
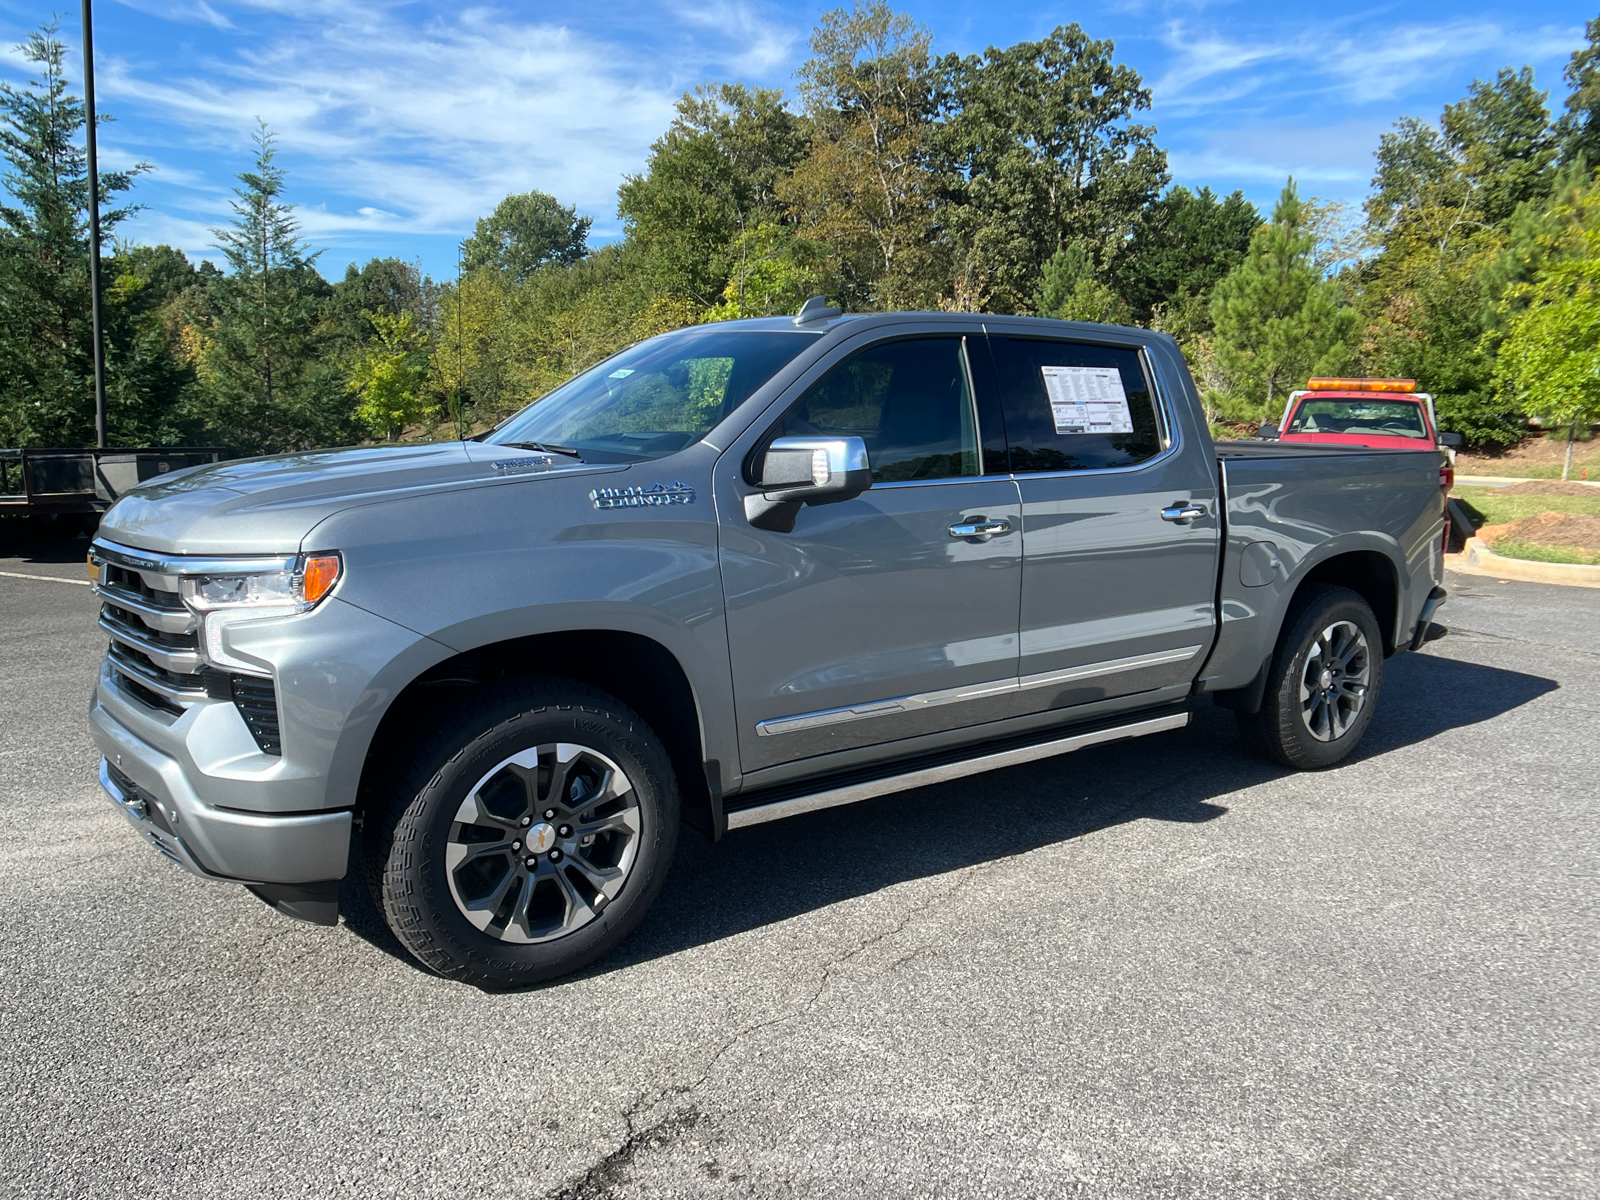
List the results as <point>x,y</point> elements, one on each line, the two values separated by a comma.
<point>1074,406</point>
<point>909,401</point>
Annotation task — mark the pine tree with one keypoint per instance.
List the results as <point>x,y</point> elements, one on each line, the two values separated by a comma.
<point>46,355</point>
<point>260,340</point>
<point>1277,319</point>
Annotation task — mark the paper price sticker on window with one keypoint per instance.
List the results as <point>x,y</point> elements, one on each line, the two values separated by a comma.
<point>1087,399</point>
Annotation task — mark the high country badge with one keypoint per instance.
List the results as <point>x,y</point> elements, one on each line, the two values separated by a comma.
<point>653,496</point>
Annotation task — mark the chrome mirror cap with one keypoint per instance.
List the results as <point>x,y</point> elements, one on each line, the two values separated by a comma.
<point>806,470</point>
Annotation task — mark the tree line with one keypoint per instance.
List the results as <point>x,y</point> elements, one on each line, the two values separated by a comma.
<point>1019,180</point>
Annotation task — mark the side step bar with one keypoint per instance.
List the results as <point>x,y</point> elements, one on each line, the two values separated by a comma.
<point>867,789</point>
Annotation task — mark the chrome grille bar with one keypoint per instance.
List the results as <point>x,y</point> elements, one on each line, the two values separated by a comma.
<point>167,620</point>
<point>153,680</point>
<point>179,659</point>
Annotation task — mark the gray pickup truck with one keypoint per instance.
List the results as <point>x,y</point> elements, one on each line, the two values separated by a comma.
<point>734,573</point>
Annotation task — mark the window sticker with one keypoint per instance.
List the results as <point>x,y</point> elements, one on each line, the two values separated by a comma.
<point>1087,399</point>
<point>621,373</point>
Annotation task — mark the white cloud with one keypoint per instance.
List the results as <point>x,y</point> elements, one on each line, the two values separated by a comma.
<point>1353,66</point>
<point>423,127</point>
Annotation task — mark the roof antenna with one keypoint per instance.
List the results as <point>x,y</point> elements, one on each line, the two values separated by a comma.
<point>815,309</point>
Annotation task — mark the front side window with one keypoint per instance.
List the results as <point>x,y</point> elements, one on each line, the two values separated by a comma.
<point>655,398</point>
<point>908,400</point>
<point>1074,406</point>
<point>1386,418</point>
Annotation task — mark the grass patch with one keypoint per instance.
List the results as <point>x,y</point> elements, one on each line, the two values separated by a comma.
<point>1536,552</point>
<point>1498,509</point>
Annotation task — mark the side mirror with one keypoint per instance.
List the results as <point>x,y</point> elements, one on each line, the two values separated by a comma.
<point>802,470</point>
<point>1270,432</point>
<point>1453,440</point>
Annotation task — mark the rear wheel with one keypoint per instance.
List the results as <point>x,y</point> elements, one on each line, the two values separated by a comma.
<point>1322,683</point>
<point>529,838</point>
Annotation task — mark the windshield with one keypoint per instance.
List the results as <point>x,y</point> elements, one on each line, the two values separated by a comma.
<point>1378,418</point>
<point>655,398</point>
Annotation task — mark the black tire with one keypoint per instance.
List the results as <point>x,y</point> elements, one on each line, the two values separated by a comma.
<point>467,764</point>
<point>1295,728</point>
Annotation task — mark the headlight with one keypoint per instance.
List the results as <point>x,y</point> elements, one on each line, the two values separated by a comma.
<point>223,600</point>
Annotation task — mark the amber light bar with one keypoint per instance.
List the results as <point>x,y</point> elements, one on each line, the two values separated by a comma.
<point>1361,385</point>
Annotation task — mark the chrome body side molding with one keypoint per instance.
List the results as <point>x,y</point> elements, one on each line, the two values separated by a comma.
<point>849,794</point>
<point>975,691</point>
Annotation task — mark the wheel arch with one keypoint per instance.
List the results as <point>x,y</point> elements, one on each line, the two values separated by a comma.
<point>638,670</point>
<point>1371,574</point>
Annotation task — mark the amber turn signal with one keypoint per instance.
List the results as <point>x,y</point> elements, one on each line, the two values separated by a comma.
<point>322,572</point>
<point>94,570</point>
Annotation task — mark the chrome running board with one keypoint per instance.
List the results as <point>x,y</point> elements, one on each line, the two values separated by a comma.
<point>849,794</point>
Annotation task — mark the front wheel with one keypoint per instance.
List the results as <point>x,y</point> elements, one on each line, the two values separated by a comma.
<point>1322,682</point>
<point>529,838</point>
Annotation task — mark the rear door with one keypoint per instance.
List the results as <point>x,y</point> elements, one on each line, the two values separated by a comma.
<point>1120,525</point>
<point>875,619</point>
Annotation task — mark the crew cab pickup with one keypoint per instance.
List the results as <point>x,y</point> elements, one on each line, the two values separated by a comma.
<point>734,573</point>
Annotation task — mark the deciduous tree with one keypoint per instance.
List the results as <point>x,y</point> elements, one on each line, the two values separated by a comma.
<point>1043,152</point>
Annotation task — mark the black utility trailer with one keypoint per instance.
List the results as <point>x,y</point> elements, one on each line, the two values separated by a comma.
<point>67,488</point>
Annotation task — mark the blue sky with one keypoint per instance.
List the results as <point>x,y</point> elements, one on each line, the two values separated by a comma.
<point>401,123</point>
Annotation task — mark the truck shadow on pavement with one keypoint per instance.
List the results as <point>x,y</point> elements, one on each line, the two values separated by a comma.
<point>769,873</point>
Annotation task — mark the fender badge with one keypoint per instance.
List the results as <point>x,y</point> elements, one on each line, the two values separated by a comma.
<point>511,466</point>
<point>643,497</point>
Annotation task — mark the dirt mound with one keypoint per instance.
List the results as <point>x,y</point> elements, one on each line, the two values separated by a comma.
<point>1580,530</point>
<point>1549,487</point>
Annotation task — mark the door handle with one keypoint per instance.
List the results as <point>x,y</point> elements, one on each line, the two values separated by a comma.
<point>980,527</point>
<point>1183,513</point>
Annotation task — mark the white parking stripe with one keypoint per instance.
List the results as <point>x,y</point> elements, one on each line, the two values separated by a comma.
<point>45,578</point>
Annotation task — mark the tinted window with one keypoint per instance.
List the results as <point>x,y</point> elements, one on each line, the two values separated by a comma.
<point>1072,406</point>
<point>655,398</point>
<point>1389,418</point>
<point>908,401</point>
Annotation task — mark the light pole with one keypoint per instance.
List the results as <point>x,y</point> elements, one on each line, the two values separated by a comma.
<point>94,231</point>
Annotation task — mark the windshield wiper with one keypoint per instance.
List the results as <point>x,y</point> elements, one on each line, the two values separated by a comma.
<point>546,447</point>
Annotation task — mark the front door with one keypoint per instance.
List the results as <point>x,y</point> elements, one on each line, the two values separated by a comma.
<point>877,619</point>
<point>1120,528</point>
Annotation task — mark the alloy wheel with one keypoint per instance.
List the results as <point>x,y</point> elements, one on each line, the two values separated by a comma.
<point>1333,685</point>
<point>543,843</point>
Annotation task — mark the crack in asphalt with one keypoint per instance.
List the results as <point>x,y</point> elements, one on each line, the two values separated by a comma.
<point>1502,637</point>
<point>598,1182</point>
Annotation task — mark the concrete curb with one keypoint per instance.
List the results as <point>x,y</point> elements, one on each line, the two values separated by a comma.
<point>1478,559</point>
<point>1507,480</point>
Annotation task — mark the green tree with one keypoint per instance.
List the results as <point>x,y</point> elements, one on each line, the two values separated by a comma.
<point>384,285</point>
<point>710,181</point>
<point>1444,205</point>
<point>1042,152</point>
<point>258,341</point>
<point>1185,243</point>
<point>1549,359</point>
<point>1277,320</point>
<point>1579,127</point>
<point>776,270</point>
<point>391,375</point>
<point>867,190</point>
<point>526,231</point>
<point>46,343</point>
<point>1069,291</point>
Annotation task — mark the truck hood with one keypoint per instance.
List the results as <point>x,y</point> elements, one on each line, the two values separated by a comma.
<point>268,505</point>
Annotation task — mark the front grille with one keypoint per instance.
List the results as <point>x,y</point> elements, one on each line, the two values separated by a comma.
<point>154,649</point>
<point>155,653</point>
<point>257,702</point>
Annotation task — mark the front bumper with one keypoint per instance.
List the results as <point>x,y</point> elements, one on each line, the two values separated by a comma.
<point>152,790</point>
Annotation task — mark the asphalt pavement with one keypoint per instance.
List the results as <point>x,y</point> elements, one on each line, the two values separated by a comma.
<point>1156,969</point>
